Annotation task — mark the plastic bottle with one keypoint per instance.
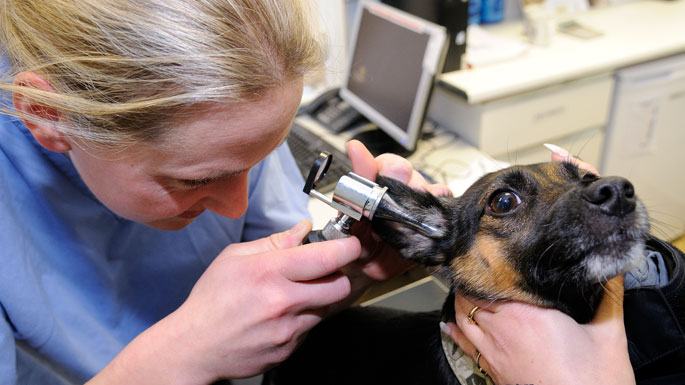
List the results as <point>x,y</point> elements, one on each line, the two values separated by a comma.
<point>492,11</point>
<point>474,11</point>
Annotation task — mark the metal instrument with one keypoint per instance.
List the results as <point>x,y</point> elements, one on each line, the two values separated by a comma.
<point>355,197</point>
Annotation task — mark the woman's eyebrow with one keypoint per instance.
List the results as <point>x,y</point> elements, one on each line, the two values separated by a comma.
<point>218,175</point>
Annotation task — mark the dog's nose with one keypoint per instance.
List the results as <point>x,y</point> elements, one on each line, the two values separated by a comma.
<point>613,195</point>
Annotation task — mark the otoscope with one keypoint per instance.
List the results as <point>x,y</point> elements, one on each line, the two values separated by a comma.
<point>355,197</point>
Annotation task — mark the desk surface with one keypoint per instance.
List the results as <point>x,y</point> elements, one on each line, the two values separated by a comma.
<point>633,33</point>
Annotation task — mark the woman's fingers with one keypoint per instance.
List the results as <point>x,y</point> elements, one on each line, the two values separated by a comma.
<point>363,162</point>
<point>469,335</point>
<point>440,190</point>
<point>316,260</point>
<point>278,241</point>
<point>559,155</point>
<point>463,342</point>
<point>471,313</point>
<point>321,292</point>
<point>611,306</point>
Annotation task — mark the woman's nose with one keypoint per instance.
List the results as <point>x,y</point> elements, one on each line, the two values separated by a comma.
<point>228,198</point>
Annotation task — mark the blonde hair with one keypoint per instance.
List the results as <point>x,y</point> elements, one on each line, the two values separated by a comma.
<point>123,70</point>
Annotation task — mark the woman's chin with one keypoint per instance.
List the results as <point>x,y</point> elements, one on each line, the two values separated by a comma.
<point>170,224</point>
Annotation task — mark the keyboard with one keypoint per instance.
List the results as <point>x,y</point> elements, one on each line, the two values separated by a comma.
<point>306,146</point>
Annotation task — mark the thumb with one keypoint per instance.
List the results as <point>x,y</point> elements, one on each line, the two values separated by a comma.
<point>611,306</point>
<point>363,162</point>
<point>292,237</point>
<point>278,241</point>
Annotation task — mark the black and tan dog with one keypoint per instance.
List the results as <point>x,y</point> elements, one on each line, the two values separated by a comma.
<point>549,234</point>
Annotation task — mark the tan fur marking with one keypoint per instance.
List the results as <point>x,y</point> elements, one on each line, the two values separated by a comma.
<point>485,269</point>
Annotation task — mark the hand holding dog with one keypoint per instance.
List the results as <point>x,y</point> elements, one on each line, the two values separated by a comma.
<point>249,310</point>
<point>522,343</point>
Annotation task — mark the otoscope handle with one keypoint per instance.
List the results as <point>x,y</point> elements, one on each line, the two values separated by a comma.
<point>337,228</point>
<point>314,236</point>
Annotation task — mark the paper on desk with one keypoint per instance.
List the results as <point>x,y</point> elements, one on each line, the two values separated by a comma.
<point>483,47</point>
<point>450,160</point>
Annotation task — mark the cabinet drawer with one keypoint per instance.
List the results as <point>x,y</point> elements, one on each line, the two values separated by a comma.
<point>519,121</point>
<point>586,145</point>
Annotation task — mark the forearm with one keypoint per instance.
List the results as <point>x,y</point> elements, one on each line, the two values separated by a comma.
<point>159,355</point>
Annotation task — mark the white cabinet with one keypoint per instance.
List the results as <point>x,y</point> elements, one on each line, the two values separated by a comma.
<point>645,139</point>
<point>513,128</point>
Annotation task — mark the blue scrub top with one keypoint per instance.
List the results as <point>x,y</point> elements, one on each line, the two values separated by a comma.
<point>78,283</point>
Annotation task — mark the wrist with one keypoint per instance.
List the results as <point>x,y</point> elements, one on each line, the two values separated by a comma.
<point>162,354</point>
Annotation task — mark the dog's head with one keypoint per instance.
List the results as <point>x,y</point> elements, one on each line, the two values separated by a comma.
<point>549,234</point>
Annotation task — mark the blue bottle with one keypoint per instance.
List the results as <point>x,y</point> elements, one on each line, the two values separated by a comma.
<point>492,11</point>
<point>474,11</point>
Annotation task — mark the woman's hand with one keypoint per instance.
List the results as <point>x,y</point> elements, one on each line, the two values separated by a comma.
<point>526,344</point>
<point>378,261</point>
<point>248,311</point>
<point>559,155</point>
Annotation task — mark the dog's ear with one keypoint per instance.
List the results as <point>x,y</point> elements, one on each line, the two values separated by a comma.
<point>426,208</point>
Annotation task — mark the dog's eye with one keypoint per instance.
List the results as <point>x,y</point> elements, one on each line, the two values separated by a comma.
<point>589,178</point>
<point>504,202</point>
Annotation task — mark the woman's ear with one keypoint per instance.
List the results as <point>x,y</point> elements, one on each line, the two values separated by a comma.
<point>43,132</point>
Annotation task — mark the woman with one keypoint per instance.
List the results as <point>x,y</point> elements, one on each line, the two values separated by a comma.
<point>152,215</point>
<point>140,117</point>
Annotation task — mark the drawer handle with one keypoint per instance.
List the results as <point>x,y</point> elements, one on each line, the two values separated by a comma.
<point>549,113</point>
<point>676,95</point>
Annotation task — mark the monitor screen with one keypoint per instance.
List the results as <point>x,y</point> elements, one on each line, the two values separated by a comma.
<point>393,60</point>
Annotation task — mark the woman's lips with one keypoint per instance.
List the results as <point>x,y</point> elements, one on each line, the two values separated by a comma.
<point>190,214</point>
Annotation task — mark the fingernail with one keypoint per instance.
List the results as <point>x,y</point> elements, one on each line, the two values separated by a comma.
<point>557,150</point>
<point>444,328</point>
<point>441,191</point>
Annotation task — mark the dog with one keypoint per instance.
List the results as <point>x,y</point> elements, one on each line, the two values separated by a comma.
<point>548,234</point>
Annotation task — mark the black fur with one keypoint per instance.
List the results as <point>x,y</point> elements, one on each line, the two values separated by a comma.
<point>369,346</point>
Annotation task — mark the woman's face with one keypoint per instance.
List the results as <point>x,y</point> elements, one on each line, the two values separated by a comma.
<point>202,165</point>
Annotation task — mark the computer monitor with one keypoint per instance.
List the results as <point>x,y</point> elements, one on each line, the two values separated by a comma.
<point>393,60</point>
<point>451,14</point>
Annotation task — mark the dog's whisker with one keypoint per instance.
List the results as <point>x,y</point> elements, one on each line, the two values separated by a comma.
<point>661,222</point>
<point>612,296</point>
<point>663,214</point>
<point>561,291</point>
<point>542,255</point>
<point>602,283</point>
<point>583,146</point>
<point>660,228</point>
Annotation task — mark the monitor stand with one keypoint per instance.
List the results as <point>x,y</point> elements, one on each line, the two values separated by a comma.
<point>378,142</point>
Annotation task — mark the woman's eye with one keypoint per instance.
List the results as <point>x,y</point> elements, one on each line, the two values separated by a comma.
<point>504,202</point>
<point>194,184</point>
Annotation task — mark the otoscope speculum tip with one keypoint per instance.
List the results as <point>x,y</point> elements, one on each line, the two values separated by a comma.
<point>389,210</point>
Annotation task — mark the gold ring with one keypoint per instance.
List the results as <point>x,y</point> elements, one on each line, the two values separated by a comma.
<point>471,314</point>
<point>478,362</point>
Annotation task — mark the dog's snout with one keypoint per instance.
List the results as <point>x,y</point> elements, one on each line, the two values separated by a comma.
<point>612,195</point>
